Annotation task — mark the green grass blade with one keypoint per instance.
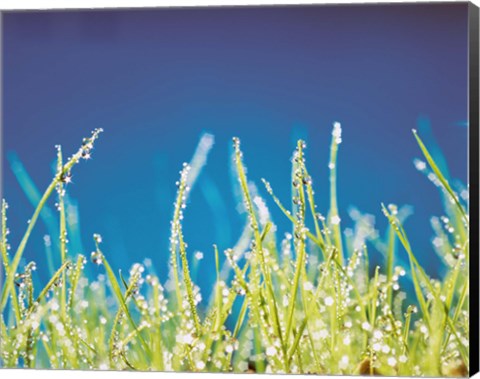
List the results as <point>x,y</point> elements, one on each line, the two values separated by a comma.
<point>333,217</point>
<point>441,177</point>
<point>9,282</point>
<point>119,296</point>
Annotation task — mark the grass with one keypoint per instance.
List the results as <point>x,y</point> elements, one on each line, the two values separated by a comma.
<point>310,302</point>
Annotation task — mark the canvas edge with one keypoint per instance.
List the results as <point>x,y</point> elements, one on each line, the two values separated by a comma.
<point>473,67</point>
<point>2,146</point>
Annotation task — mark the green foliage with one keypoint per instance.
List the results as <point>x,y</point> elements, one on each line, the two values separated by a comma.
<point>310,302</point>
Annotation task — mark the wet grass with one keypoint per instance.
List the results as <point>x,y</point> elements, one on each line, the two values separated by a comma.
<point>309,301</point>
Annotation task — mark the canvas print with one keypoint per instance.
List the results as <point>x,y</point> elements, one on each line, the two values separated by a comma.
<point>251,189</point>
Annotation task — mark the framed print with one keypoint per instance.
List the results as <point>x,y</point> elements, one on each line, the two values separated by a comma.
<point>286,189</point>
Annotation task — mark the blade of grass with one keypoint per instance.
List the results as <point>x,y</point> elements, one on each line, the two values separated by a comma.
<point>389,263</point>
<point>119,296</point>
<point>333,213</point>
<point>300,242</point>
<point>188,282</point>
<point>287,213</point>
<point>258,242</point>
<point>441,177</point>
<point>415,265</point>
<point>9,282</point>
<point>63,231</point>
<point>6,260</point>
<point>54,279</point>
<point>158,361</point>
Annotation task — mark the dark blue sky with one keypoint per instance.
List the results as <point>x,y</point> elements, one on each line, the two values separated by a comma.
<point>155,79</point>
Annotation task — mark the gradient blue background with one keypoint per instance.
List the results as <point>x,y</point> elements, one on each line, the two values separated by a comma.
<point>156,79</point>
